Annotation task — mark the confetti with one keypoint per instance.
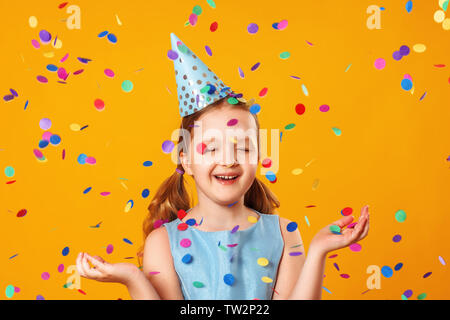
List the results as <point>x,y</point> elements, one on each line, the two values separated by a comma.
<point>228,279</point>
<point>109,249</point>
<point>213,27</point>
<point>252,28</point>
<point>335,229</point>
<point>45,276</point>
<point>400,216</point>
<point>324,108</point>
<point>355,247</point>
<point>112,38</point>
<point>346,211</point>
<point>21,213</point>
<point>168,146</point>
<point>262,262</point>
<point>9,291</point>
<point>380,63</point>
<point>60,267</point>
<point>292,226</point>
<point>398,266</point>
<point>442,261</point>
<point>397,238</point>
<point>266,280</point>
<point>65,251</point>
<point>127,241</point>
<point>386,271</point>
<point>198,284</point>
<point>127,86</point>
<point>185,243</point>
<point>295,253</point>
<point>252,219</point>
<point>187,258</point>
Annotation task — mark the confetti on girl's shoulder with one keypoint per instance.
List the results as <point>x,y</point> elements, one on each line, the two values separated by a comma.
<point>252,219</point>
<point>198,284</point>
<point>266,280</point>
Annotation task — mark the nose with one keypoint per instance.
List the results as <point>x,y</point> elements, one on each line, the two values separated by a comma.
<point>228,157</point>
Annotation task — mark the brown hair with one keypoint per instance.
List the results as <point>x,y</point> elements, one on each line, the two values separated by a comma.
<point>173,196</point>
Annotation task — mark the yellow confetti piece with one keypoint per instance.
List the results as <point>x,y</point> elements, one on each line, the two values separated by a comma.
<point>263,262</point>
<point>439,16</point>
<point>125,186</point>
<point>118,20</point>
<point>75,127</point>
<point>252,219</point>
<point>446,24</point>
<point>32,21</point>
<point>266,280</point>
<point>58,44</point>
<point>307,165</point>
<point>50,54</point>
<point>297,171</point>
<point>419,48</point>
<point>315,184</point>
<point>128,206</point>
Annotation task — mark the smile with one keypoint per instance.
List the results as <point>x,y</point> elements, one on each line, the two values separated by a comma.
<point>227,180</point>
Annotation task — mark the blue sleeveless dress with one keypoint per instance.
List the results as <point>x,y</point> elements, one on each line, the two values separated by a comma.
<point>226,265</point>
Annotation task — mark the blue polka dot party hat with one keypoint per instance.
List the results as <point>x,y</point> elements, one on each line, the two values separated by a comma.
<point>197,85</point>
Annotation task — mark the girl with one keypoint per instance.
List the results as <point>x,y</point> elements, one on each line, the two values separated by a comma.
<point>232,244</point>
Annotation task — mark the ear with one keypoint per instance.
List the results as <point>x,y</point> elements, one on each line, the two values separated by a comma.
<point>184,158</point>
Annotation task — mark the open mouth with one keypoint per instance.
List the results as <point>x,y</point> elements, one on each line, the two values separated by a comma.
<point>225,180</point>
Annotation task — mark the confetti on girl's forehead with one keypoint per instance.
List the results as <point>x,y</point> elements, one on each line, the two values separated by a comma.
<point>154,272</point>
<point>232,122</point>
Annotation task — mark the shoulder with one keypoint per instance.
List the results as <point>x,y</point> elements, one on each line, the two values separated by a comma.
<point>289,236</point>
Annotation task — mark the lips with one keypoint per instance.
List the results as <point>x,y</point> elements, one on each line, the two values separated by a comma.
<point>225,179</point>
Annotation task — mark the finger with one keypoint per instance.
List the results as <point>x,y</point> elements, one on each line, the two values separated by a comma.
<point>365,231</point>
<point>99,259</point>
<point>343,221</point>
<point>92,273</point>
<point>80,266</point>
<point>359,228</point>
<point>96,263</point>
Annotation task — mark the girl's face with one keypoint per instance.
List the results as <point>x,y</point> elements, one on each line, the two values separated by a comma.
<point>224,143</point>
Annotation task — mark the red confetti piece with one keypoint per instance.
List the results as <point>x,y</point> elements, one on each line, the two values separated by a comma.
<point>300,109</point>
<point>201,148</point>
<point>263,92</point>
<point>333,256</point>
<point>62,5</point>
<point>182,226</point>
<point>213,26</point>
<point>266,163</point>
<point>78,71</point>
<point>181,214</point>
<point>10,182</point>
<point>439,65</point>
<point>232,245</point>
<point>347,211</point>
<point>22,213</point>
<point>64,154</point>
<point>310,206</point>
<point>81,291</point>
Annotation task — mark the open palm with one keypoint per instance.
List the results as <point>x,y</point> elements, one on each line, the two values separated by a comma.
<point>325,240</point>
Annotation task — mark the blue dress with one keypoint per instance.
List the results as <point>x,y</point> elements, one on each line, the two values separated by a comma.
<point>227,265</point>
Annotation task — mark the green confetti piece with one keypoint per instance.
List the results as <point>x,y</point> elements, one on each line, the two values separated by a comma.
<point>232,100</point>
<point>337,131</point>
<point>211,3</point>
<point>422,296</point>
<point>289,126</point>
<point>285,55</point>
<point>198,284</point>
<point>335,229</point>
<point>197,10</point>
<point>127,86</point>
<point>307,221</point>
<point>400,215</point>
<point>223,248</point>
<point>9,291</point>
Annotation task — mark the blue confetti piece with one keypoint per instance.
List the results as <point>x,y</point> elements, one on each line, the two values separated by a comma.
<point>65,251</point>
<point>326,290</point>
<point>147,163</point>
<point>14,256</point>
<point>271,176</point>
<point>187,258</point>
<point>52,67</point>
<point>145,193</point>
<point>112,38</point>
<point>26,105</point>
<point>87,190</point>
<point>228,279</point>
<point>386,271</point>
<point>190,222</point>
<point>127,241</point>
<point>255,108</point>
<point>409,6</point>
<point>398,266</point>
<point>292,226</point>
<point>102,34</point>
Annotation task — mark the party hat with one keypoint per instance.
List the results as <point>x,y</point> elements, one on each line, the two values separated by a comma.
<point>197,85</point>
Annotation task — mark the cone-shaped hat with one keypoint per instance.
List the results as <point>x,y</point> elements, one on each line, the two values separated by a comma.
<point>197,85</point>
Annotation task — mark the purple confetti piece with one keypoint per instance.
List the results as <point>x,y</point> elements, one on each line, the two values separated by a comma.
<point>255,66</point>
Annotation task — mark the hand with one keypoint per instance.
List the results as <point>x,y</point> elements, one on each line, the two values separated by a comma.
<point>104,271</point>
<point>325,240</point>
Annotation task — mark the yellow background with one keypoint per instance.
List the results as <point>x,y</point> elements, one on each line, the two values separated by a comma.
<point>391,154</point>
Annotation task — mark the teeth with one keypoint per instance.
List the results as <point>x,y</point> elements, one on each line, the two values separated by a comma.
<point>227,177</point>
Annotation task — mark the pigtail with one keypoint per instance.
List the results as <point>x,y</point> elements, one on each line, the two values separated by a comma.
<point>260,198</point>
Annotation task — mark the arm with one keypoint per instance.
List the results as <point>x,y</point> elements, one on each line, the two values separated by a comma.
<point>140,284</point>
<point>309,284</point>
